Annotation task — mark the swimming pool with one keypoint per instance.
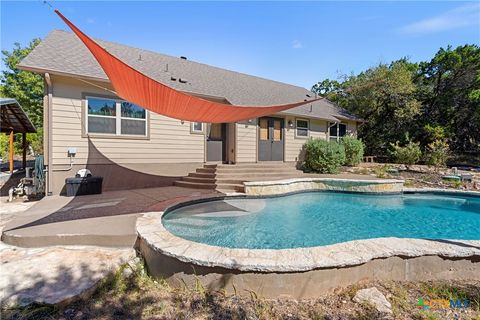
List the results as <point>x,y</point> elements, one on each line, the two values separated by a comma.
<point>321,218</point>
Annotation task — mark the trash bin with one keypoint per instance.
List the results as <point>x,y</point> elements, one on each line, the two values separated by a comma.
<point>83,186</point>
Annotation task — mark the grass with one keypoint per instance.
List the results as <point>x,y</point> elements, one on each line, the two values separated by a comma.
<point>130,293</point>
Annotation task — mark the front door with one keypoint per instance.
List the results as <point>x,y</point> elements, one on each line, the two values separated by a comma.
<point>270,139</point>
<point>216,133</point>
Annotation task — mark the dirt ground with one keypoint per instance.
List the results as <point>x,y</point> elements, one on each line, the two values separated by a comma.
<point>418,176</point>
<point>132,294</point>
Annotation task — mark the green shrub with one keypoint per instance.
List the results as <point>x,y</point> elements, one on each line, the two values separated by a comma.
<point>353,150</point>
<point>437,153</point>
<point>409,154</point>
<point>323,156</point>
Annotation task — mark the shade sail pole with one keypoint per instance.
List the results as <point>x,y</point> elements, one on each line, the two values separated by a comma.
<point>134,86</point>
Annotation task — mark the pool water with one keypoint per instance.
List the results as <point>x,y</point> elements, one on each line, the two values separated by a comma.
<point>322,218</point>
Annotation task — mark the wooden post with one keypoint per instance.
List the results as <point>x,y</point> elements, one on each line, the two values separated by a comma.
<point>11,151</point>
<point>24,154</point>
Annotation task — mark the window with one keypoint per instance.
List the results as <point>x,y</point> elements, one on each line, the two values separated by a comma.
<point>277,130</point>
<point>302,127</point>
<point>263,124</point>
<point>337,131</point>
<point>215,132</point>
<point>196,127</point>
<point>115,117</point>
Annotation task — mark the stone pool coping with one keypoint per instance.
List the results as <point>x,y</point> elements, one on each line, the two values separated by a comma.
<point>276,187</point>
<point>445,191</point>
<point>151,230</point>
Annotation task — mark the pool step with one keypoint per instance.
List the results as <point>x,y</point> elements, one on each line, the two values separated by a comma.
<point>230,178</point>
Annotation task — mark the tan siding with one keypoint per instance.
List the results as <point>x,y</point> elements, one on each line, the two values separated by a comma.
<point>170,140</point>
<point>293,144</point>
<point>247,141</point>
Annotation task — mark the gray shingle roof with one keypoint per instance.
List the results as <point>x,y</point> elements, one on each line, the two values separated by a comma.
<point>62,52</point>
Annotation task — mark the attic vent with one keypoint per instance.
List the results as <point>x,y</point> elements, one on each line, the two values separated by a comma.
<point>308,95</point>
<point>183,58</point>
<point>173,78</point>
<point>182,80</point>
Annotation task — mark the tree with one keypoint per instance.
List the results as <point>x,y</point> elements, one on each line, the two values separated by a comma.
<point>385,96</point>
<point>330,89</point>
<point>449,89</point>
<point>26,87</point>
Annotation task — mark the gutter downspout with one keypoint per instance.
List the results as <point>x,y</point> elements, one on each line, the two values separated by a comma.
<point>47,139</point>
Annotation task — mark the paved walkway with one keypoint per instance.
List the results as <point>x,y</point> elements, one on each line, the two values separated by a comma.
<point>107,219</point>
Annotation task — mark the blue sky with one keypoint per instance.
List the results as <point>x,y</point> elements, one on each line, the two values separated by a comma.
<point>294,42</point>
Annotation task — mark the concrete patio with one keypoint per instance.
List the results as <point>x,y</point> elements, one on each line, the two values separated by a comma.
<point>106,219</point>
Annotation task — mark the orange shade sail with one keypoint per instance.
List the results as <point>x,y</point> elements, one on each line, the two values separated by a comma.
<point>133,86</point>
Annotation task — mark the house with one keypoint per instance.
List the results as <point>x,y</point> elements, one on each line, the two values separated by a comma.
<point>86,125</point>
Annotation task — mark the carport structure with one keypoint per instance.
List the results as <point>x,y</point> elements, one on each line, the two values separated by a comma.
<point>15,120</point>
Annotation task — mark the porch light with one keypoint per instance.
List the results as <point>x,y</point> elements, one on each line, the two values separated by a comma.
<point>290,123</point>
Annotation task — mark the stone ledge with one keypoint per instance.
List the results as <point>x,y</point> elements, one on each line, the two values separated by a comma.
<point>323,184</point>
<point>151,230</point>
<point>446,191</point>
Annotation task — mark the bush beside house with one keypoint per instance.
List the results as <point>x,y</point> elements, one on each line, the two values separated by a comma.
<point>353,150</point>
<point>323,156</point>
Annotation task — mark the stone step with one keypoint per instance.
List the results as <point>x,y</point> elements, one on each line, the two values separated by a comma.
<point>199,179</point>
<point>257,176</point>
<point>266,164</point>
<point>202,174</point>
<point>246,170</point>
<point>230,178</point>
<point>212,180</point>
<point>195,185</point>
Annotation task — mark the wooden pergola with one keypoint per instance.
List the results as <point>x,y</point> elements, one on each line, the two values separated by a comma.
<point>14,120</point>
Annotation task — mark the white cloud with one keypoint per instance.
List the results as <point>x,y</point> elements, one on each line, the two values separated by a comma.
<point>460,17</point>
<point>297,44</point>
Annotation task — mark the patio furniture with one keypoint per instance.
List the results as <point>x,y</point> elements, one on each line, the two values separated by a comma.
<point>369,159</point>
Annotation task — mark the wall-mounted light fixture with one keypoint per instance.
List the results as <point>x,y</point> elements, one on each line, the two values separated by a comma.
<point>290,123</point>
<point>182,122</point>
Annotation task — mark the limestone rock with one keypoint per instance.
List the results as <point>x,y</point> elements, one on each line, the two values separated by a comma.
<point>374,297</point>
<point>52,275</point>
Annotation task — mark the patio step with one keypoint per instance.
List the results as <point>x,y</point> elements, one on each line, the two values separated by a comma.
<point>230,178</point>
<point>249,165</point>
<point>195,185</point>
<point>214,180</point>
<point>202,174</point>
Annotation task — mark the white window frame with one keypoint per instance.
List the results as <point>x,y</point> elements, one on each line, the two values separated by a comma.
<point>118,119</point>
<point>193,130</point>
<point>303,128</point>
<point>337,136</point>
